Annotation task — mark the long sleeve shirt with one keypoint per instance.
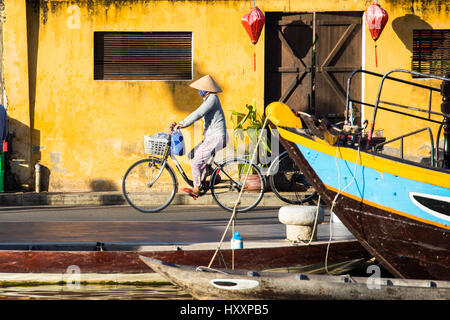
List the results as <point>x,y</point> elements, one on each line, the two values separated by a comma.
<point>213,117</point>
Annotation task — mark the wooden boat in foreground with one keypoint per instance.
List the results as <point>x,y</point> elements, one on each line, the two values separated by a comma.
<point>397,208</point>
<point>106,258</point>
<point>205,283</point>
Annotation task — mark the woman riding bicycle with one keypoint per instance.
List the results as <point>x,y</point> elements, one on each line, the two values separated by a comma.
<point>214,129</point>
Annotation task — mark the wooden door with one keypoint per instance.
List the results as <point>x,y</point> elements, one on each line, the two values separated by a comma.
<point>288,59</point>
<point>309,57</point>
<point>338,53</point>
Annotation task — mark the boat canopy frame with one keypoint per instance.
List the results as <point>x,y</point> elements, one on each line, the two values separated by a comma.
<point>446,117</point>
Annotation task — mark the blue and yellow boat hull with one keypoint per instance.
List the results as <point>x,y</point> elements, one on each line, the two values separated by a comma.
<point>399,210</point>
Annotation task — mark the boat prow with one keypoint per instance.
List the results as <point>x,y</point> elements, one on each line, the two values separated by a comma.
<point>211,284</point>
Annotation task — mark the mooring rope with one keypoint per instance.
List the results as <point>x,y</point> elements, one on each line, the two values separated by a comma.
<point>338,194</point>
<point>232,218</point>
<point>315,223</point>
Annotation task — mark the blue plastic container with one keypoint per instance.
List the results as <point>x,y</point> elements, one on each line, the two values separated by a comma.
<point>237,242</point>
<point>177,145</point>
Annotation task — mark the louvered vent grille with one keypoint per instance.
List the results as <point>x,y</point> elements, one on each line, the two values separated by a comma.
<point>431,51</point>
<point>142,55</point>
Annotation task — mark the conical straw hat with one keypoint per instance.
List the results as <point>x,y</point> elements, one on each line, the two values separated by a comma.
<point>206,83</point>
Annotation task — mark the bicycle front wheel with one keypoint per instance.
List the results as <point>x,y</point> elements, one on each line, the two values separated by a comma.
<point>149,187</point>
<point>288,182</point>
<point>227,182</point>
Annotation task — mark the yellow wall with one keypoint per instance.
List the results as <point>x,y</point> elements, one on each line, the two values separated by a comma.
<point>395,52</point>
<point>86,132</point>
<point>15,64</point>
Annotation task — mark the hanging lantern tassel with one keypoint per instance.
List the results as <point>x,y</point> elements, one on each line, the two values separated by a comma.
<point>376,60</point>
<point>376,18</point>
<point>253,23</point>
<point>254,59</point>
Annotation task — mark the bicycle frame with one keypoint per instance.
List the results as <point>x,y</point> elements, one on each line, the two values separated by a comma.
<point>180,169</point>
<point>272,170</point>
<point>205,187</point>
<point>272,165</point>
<point>164,162</point>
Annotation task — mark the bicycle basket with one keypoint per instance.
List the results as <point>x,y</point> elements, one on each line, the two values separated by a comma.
<point>155,146</point>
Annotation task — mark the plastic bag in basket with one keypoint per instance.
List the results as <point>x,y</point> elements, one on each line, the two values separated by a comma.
<point>164,135</point>
<point>177,145</point>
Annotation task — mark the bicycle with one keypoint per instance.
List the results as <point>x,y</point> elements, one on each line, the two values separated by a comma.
<point>149,185</point>
<point>288,182</point>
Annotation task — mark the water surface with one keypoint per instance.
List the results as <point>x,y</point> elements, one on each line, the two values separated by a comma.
<point>94,292</point>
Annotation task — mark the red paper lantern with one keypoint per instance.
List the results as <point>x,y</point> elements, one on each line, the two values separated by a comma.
<point>253,23</point>
<point>376,18</point>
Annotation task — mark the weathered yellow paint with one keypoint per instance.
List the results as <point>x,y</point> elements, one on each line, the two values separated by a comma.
<point>88,132</point>
<point>91,131</point>
<point>15,64</point>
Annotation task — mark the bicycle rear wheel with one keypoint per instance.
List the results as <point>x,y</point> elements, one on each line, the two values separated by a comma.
<point>227,181</point>
<point>144,190</point>
<point>288,182</point>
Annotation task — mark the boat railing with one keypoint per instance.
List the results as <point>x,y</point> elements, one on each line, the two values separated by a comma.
<point>427,113</point>
<point>379,146</point>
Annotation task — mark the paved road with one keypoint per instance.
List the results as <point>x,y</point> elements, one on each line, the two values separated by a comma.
<point>126,213</point>
<point>124,225</point>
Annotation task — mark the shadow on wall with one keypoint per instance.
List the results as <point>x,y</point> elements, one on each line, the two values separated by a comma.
<point>180,91</point>
<point>99,185</point>
<point>103,185</point>
<point>32,16</point>
<point>404,26</point>
<point>16,173</point>
<point>19,170</point>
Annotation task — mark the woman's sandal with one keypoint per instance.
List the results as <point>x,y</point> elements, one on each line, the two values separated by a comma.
<point>190,192</point>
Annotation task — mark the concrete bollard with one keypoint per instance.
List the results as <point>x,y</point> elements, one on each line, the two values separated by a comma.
<point>299,221</point>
